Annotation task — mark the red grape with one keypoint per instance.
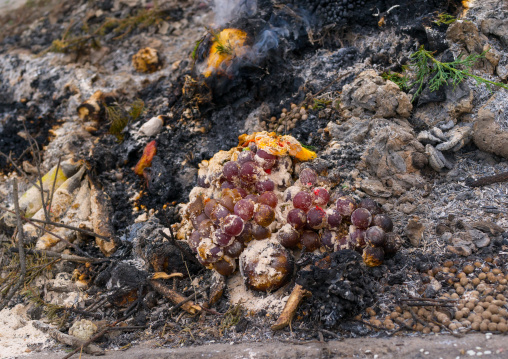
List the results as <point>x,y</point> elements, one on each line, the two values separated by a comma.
<point>334,218</point>
<point>357,237</point>
<point>218,213</point>
<point>329,240</point>
<point>233,250</point>
<point>268,198</point>
<point>227,184</point>
<point>231,170</point>
<point>222,239</point>
<point>371,205</point>
<point>244,208</point>
<point>195,207</point>
<point>249,172</point>
<point>205,228</point>
<point>266,185</point>
<point>245,156</point>
<point>288,236</point>
<point>242,192</point>
<point>346,206</point>
<point>264,159</point>
<point>297,218</point>
<point>361,218</point>
<point>308,177</point>
<point>232,225</point>
<point>316,218</point>
<point>321,196</point>
<point>209,206</point>
<point>246,235</point>
<point>253,197</point>
<point>263,215</point>
<point>260,232</point>
<point>303,200</point>
<point>197,220</point>
<point>375,236</point>
<point>203,182</point>
<point>208,251</point>
<point>310,240</point>
<point>383,221</point>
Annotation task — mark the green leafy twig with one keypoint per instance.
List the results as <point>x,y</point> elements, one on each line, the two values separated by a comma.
<point>438,73</point>
<point>220,47</point>
<point>444,19</point>
<point>400,79</point>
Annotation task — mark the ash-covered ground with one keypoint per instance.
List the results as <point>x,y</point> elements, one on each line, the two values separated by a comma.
<point>317,70</point>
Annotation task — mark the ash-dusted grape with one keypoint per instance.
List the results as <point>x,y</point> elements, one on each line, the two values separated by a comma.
<point>260,232</point>
<point>310,240</point>
<point>288,236</point>
<point>231,170</point>
<point>232,225</point>
<point>249,172</point>
<point>269,198</point>
<point>303,200</point>
<point>297,218</point>
<point>361,218</point>
<point>308,177</point>
<point>316,218</point>
<point>321,196</point>
<point>222,239</point>
<point>383,221</point>
<point>346,206</point>
<point>265,185</point>
<point>264,215</point>
<point>244,208</point>
<point>371,205</point>
<point>334,218</point>
<point>375,236</point>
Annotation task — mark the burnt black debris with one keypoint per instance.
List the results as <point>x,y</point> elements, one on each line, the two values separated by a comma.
<point>342,290</point>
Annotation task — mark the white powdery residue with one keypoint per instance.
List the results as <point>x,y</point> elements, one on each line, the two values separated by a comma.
<point>18,333</point>
<point>254,301</point>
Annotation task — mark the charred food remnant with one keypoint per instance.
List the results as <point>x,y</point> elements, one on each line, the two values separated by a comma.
<point>340,286</point>
<point>147,157</point>
<point>146,60</point>
<point>94,109</point>
<point>226,45</point>
<point>250,204</point>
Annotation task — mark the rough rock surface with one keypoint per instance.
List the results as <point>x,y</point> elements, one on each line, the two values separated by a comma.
<point>369,95</point>
<point>491,127</point>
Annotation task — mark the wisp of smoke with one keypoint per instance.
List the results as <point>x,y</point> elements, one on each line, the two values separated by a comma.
<point>227,10</point>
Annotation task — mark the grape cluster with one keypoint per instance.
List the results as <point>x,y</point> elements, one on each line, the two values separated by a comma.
<point>252,197</point>
<point>326,12</point>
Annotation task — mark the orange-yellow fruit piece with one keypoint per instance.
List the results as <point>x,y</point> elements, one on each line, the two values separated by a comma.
<point>146,159</point>
<point>228,44</point>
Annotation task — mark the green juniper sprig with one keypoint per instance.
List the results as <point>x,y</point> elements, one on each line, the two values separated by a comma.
<point>436,73</point>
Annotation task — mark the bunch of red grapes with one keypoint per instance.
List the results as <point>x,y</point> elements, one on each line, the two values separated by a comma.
<point>307,219</point>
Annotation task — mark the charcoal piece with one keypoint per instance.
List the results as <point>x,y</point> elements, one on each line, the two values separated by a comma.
<point>341,289</point>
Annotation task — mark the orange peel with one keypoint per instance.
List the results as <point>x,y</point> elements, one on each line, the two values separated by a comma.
<point>278,145</point>
<point>146,159</point>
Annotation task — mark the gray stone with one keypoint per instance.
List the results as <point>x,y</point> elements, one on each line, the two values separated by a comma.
<point>479,238</point>
<point>490,131</point>
<point>414,231</point>
<point>369,95</point>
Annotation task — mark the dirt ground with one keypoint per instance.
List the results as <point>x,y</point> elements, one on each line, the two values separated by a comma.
<point>434,346</point>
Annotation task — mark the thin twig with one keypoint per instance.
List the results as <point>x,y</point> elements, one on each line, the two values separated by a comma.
<point>21,249</point>
<point>484,181</point>
<point>63,256</point>
<point>186,300</point>
<point>37,159</point>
